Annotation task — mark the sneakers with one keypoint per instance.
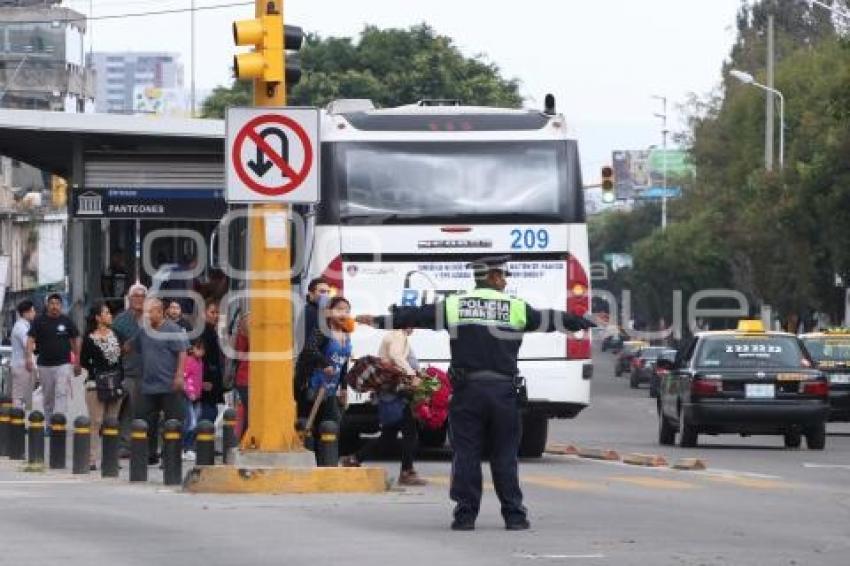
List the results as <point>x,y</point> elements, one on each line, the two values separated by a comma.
<point>189,456</point>
<point>410,478</point>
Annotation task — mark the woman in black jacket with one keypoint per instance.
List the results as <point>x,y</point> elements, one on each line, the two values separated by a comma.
<point>212,391</point>
<point>101,357</point>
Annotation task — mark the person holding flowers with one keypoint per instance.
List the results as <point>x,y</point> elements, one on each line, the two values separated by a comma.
<point>394,409</point>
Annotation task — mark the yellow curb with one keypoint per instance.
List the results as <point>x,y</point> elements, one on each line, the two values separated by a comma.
<point>562,449</point>
<point>690,464</point>
<point>655,483</point>
<point>598,454</point>
<point>226,479</point>
<point>648,460</point>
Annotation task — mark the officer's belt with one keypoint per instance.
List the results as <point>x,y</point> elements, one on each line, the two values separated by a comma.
<point>487,375</point>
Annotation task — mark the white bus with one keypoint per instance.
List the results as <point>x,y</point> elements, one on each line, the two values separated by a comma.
<point>410,195</point>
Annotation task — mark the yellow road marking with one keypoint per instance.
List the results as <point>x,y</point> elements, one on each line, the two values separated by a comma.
<point>755,483</point>
<point>653,482</point>
<point>560,483</point>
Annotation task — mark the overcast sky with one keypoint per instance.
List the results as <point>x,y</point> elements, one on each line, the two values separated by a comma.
<point>602,59</point>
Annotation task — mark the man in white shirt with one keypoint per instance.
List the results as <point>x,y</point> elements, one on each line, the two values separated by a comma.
<point>22,378</point>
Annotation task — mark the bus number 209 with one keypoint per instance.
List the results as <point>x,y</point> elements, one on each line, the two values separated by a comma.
<point>529,239</point>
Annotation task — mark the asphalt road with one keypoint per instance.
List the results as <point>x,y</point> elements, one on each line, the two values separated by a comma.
<point>756,504</point>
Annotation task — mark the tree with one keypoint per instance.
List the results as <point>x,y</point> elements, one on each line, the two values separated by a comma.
<point>391,67</point>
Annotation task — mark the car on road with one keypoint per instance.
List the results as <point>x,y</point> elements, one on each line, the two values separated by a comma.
<point>643,365</point>
<point>747,381</point>
<point>658,373</point>
<point>630,349</point>
<point>830,351</point>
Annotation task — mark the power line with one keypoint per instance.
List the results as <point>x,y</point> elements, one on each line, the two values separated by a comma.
<point>132,14</point>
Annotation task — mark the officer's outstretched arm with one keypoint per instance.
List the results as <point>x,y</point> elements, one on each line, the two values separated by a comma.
<point>425,316</point>
<point>547,320</point>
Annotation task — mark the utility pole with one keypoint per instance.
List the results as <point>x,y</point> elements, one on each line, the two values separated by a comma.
<point>192,51</point>
<point>769,111</point>
<point>664,132</point>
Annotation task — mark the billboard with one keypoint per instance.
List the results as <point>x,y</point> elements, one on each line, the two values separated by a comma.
<point>637,171</point>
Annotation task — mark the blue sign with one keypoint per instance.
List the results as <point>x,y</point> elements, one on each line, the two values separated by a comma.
<point>655,193</point>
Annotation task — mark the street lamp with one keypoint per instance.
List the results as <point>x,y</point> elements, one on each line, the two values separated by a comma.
<point>664,132</point>
<point>747,78</point>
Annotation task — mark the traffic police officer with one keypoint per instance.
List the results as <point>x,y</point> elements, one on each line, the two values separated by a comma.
<point>486,327</point>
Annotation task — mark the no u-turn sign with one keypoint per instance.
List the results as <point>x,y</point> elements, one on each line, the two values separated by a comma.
<point>272,155</point>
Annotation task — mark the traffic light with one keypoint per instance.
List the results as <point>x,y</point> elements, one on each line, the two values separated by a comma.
<point>607,184</point>
<point>270,38</point>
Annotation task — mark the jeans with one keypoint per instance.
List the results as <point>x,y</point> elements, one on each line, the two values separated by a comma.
<point>98,412</point>
<point>22,386</point>
<point>191,411</point>
<point>56,386</point>
<point>152,404</point>
<point>130,406</point>
<point>209,412</point>
<point>389,434</point>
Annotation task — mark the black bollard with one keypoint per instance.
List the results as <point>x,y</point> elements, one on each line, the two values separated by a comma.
<point>172,454</point>
<point>109,448</point>
<point>205,444</point>
<point>229,442</point>
<point>327,451</point>
<point>35,452</point>
<point>17,433</point>
<point>58,435</point>
<point>82,445</point>
<point>139,451</point>
<point>4,431</point>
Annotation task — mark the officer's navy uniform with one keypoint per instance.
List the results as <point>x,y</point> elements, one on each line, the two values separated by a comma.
<point>486,327</point>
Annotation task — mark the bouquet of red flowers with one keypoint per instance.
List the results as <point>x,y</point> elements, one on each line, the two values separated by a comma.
<point>431,398</point>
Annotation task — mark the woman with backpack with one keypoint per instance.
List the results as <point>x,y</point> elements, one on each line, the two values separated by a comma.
<point>100,355</point>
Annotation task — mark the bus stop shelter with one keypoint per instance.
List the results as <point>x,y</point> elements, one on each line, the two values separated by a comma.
<point>128,176</point>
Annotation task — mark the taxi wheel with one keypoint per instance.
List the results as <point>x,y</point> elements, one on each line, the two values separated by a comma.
<point>687,432</point>
<point>666,433</point>
<point>793,439</point>
<point>816,437</point>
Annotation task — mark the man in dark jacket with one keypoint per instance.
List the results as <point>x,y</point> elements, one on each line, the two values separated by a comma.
<point>318,291</point>
<point>212,390</point>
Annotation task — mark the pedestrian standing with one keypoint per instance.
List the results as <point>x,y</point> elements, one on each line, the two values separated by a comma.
<point>242,347</point>
<point>394,412</point>
<point>486,327</point>
<point>126,326</point>
<point>56,338</point>
<point>22,375</point>
<point>212,390</point>
<point>162,347</point>
<point>194,378</point>
<point>327,355</point>
<point>174,312</point>
<point>101,358</point>
<point>318,295</point>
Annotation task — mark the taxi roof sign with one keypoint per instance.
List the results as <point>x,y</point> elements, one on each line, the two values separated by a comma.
<point>755,326</point>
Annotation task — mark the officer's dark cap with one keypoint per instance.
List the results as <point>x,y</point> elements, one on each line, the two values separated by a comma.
<point>482,266</point>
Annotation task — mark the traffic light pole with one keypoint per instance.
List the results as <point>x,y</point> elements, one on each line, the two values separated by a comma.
<point>271,404</point>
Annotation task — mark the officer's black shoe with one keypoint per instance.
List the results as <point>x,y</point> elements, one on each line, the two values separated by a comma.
<point>463,525</point>
<point>518,525</point>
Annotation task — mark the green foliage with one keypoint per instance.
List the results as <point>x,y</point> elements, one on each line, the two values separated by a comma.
<point>391,67</point>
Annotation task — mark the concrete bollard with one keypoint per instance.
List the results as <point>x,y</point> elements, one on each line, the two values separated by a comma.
<point>4,431</point>
<point>58,436</point>
<point>327,445</point>
<point>35,446</point>
<point>16,449</point>
<point>172,453</point>
<point>82,445</point>
<point>229,442</point>
<point>109,448</point>
<point>139,451</point>
<point>205,444</point>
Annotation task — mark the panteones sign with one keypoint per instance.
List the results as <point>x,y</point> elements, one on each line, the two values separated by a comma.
<point>199,204</point>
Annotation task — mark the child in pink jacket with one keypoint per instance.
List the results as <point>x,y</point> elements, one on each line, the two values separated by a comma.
<point>193,378</point>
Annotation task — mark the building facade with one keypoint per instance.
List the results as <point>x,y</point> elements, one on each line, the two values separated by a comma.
<point>139,83</point>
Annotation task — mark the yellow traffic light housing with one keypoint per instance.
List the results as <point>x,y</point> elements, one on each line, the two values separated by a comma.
<point>266,61</point>
<point>607,184</point>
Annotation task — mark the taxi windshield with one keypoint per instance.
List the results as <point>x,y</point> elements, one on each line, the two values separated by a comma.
<point>829,348</point>
<point>742,351</point>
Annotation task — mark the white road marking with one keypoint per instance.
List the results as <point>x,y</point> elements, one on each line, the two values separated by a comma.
<point>36,482</point>
<point>827,466</point>
<point>559,556</point>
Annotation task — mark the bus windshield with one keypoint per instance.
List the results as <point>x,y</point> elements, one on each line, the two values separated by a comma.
<point>403,182</point>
